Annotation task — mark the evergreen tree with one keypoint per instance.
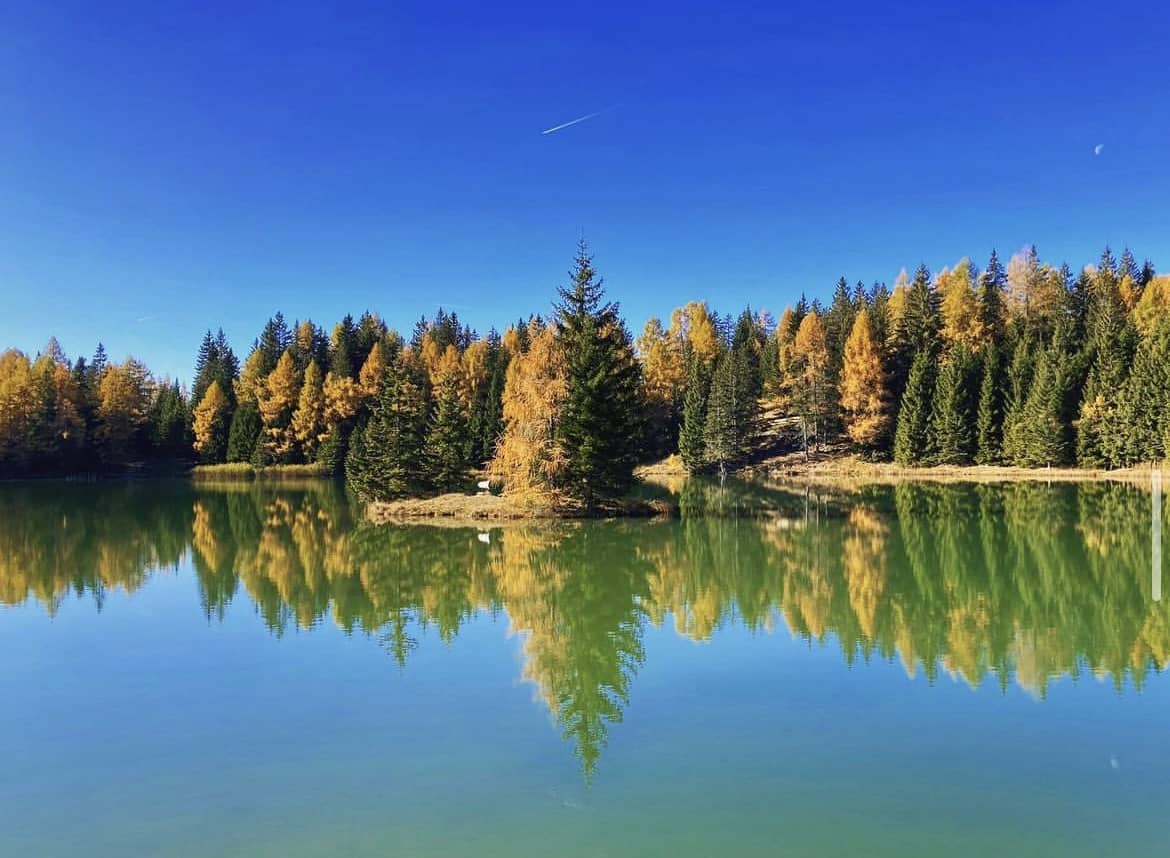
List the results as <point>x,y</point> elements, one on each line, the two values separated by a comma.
<point>447,451</point>
<point>691,446</point>
<point>600,429</point>
<point>838,325</point>
<point>911,435</point>
<point>386,455</point>
<point>341,353</point>
<point>1142,425</point>
<point>1019,382</point>
<point>1044,430</point>
<point>1097,440</point>
<point>274,341</point>
<point>244,434</point>
<point>992,284</point>
<point>169,423</point>
<point>951,435</point>
<point>988,441</point>
<point>721,439</point>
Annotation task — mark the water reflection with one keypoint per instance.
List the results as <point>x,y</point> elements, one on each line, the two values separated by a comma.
<point>1024,583</point>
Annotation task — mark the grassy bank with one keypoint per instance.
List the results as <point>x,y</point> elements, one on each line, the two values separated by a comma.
<point>842,468</point>
<point>461,507</point>
<point>245,471</point>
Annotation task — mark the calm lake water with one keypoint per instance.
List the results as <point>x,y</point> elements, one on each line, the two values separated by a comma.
<point>248,671</point>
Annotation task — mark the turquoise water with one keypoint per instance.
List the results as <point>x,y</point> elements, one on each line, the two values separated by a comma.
<point>897,671</point>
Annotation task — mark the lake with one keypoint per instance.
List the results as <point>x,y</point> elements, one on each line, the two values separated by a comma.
<point>893,671</point>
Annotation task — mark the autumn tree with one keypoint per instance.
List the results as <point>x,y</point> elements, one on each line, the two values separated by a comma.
<point>308,421</point>
<point>810,375</point>
<point>277,402</point>
<point>211,424</point>
<point>863,386</point>
<point>528,460</point>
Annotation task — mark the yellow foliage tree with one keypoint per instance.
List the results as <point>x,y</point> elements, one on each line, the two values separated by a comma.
<point>1153,305</point>
<point>694,325</point>
<point>370,375</point>
<point>810,369</point>
<point>959,308</point>
<point>896,308</point>
<point>528,460</point>
<point>17,412</point>
<point>308,421</point>
<point>210,419</point>
<point>863,385</point>
<point>124,397</point>
<point>277,402</point>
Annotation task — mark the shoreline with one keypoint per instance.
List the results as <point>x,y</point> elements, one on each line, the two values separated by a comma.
<point>500,508</point>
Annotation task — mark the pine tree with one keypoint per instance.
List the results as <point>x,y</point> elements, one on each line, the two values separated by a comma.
<point>1142,424</point>
<point>910,437</point>
<point>721,440</point>
<point>838,324</point>
<point>386,455</point>
<point>1097,441</point>
<point>600,428</point>
<point>988,426</point>
<point>863,386</point>
<point>1019,382</point>
<point>341,353</point>
<point>274,341</point>
<point>691,446</point>
<point>951,435</point>
<point>244,434</point>
<point>991,312</point>
<point>447,451</point>
<point>169,420</point>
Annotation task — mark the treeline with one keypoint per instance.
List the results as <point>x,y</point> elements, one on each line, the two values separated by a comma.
<point>58,416</point>
<point>1028,365</point>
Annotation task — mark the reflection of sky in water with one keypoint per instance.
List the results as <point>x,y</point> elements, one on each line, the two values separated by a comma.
<point>149,729</point>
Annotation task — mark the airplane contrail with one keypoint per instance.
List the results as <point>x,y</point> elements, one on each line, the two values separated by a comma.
<point>573,122</point>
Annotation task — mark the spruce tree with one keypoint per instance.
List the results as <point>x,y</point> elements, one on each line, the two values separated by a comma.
<point>992,283</point>
<point>1097,441</point>
<point>447,451</point>
<point>691,446</point>
<point>951,434</point>
<point>910,437</point>
<point>600,428</point>
<point>988,420</point>
<point>385,458</point>
<point>1019,381</point>
<point>1143,411</point>
<point>721,440</point>
<point>244,432</point>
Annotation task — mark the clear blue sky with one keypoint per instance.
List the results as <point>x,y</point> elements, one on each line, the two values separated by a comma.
<point>170,167</point>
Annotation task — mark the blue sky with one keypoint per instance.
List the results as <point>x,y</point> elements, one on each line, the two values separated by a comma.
<point>165,168</point>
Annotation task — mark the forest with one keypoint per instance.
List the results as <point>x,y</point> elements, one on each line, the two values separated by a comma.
<point>1027,364</point>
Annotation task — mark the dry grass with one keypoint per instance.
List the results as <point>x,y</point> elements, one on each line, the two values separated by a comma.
<point>837,468</point>
<point>245,471</point>
<point>460,507</point>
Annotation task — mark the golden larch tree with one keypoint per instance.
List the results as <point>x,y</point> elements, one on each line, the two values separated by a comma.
<point>308,421</point>
<point>960,310</point>
<point>863,386</point>
<point>278,400</point>
<point>528,460</point>
<point>210,419</point>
